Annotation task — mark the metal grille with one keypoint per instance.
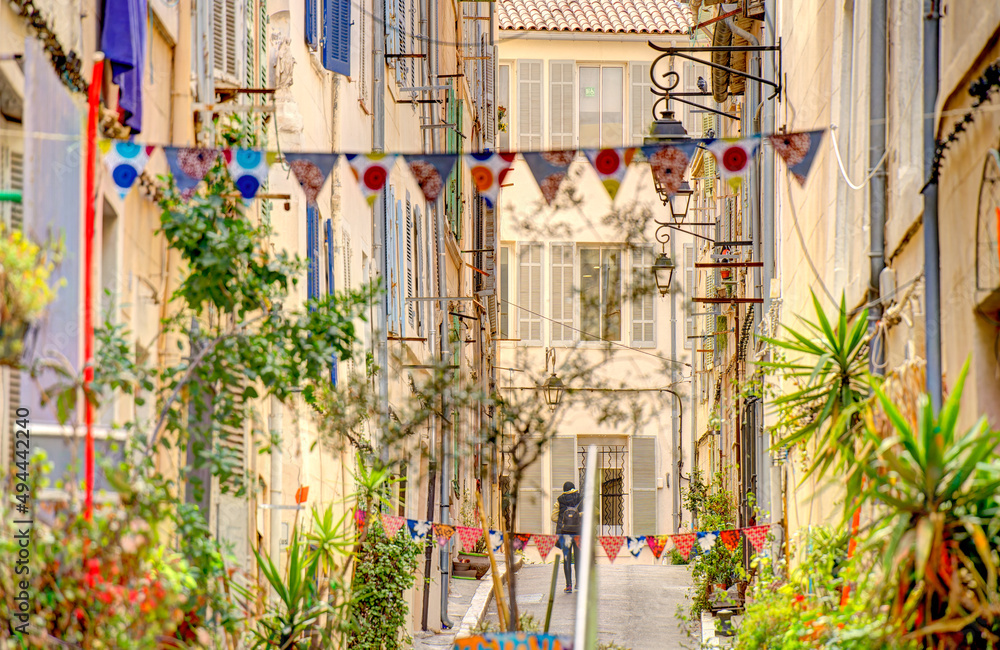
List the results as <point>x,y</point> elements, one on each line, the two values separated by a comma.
<point>611,463</point>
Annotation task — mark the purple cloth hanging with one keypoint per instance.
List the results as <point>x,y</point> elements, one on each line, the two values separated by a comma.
<point>123,41</point>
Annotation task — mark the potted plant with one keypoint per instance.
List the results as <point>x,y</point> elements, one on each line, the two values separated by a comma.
<point>476,560</point>
<point>25,289</point>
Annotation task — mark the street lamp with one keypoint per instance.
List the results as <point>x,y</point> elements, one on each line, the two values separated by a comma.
<point>679,202</point>
<point>668,130</point>
<point>663,273</point>
<point>554,389</point>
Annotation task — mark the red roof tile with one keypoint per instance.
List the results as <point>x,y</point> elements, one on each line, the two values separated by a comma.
<point>605,16</point>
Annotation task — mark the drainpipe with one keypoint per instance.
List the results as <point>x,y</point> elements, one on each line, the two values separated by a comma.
<point>379,227</point>
<point>675,443</point>
<point>277,477</point>
<point>877,187</point>
<point>447,420</point>
<point>181,131</point>
<point>932,250</point>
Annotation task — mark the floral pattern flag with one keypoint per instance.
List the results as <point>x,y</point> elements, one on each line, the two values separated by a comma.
<point>757,536</point>
<point>549,169</point>
<point>731,538</point>
<point>544,544</point>
<point>311,171</point>
<point>733,157</point>
<point>469,537</point>
<point>520,540</point>
<point>371,171</point>
<point>125,162</point>
<point>798,150</point>
<point>669,163</point>
<point>611,165</point>
<point>488,171</point>
<point>657,543</point>
<point>360,517</point>
<point>391,524</point>
<point>419,530</point>
<point>706,540</point>
<point>248,168</point>
<point>189,166</point>
<point>684,543</point>
<point>611,545</point>
<point>496,540</point>
<point>443,533</point>
<point>431,172</point>
<point>635,544</point>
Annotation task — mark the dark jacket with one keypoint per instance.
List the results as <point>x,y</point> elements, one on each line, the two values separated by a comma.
<point>569,499</point>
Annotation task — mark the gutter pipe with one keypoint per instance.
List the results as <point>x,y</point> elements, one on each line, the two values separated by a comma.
<point>932,248</point>
<point>877,187</point>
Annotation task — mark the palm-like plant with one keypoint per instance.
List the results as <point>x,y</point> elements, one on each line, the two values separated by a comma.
<point>941,531</point>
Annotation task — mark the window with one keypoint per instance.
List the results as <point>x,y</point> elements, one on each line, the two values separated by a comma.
<point>561,260</point>
<point>312,250</point>
<point>601,294</point>
<point>337,36</point>
<point>529,293</point>
<point>561,104</point>
<point>11,176</point>
<point>529,104</point>
<point>643,299</point>
<point>602,121</point>
<point>363,55</point>
<point>503,101</point>
<point>641,100</point>
<point>503,306</point>
<point>410,309</point>
<point>227,39</point>
<point>312,37</point>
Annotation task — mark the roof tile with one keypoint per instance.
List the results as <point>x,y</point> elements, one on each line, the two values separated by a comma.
<point>605,16</point>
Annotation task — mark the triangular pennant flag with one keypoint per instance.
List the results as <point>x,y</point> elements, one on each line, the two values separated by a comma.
<point>371,171</point>
<point>683,544</point>
<point>488,171</point>
<point>469,537</point>
<point>431,172</point>
<point>731,539</point>
<point>520,540</point>
<point>189,166</point>
<point>419,530</point>
<point>757,536</point>
<point>549,169</point>
<point>443,532</point>
<point>248,168</point>
<point>544,544</point>
<point>657,543</point>
<point>360,517</point>
<point>611,165</point>
<point>798,150</point>
<point>391,524</point>
<point>611,544</point>
<point>706,540</point>
<point>125,162</point>
<point>733,157</point>
<point>635,544</point>
<point>496,540</point>
<point>311,171</point>
<point>669,163</point>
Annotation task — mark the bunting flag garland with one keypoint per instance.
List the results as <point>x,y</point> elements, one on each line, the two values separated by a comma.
<point>684,543</point>
<point>798,150</point>
<point>669,163</point>
<point>757,536</point>
<point>707,540</point>
<point>549,169</point>
<point>311,171</point>
<point>431,172</point>
<point>635,544</point>
<point>496,540</point>
<point>248,168</point>
<point>469,536</point>
<point>419,530</point>
<point>488,171</point>
<point>391,524</point>
<point>611,545</point>
<point>520,540</point>
<point>733,156</point>
<point>611,165</point>
<point>544,544</point>
<point>360,517</point>
<point>731,539</point>
<point>189,166</point>
<point>443,533</point>
<point>371,171</point>
<point>125,162</point>
<point>657,543</point>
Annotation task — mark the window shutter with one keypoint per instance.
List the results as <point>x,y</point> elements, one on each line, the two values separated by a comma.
<point>12,382</point>
<point>409,261</point>
<point>402,64</point>
<point>641,100</point>
<point>312,248</point>
<point>337,36</point>
<point>562,293</point>
<point>312,38</point>
<point>644,486</point>
<point>12,176</point>
<point>503,99</point>
<point>331,284</point>
<point>491,92</point>
<point>529,104</point>
<point>529,503</point>
<point>227,39</point>
<point>529,297</point>
<point>643,303</point>
<point>561,104</point>
<point>562,454</point>
<point>690,289</point>
<point>418,266</point>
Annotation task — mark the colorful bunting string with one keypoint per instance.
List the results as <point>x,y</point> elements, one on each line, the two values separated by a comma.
<point>733,157</point>
<point>706,541</point>
<point>371,171</point>
<point>798,150</point>
<point>549,169</point>
<point>520,540</point>
<point>757,535</point>
<point>469,537</point>
<point>668,164</point>
<point>684,543</point>
<point>544,544</point>
<point>391,524</point>
<point>488,171</point>
<point>248,168</point>
<point>496,540</point>
<point>419,530</point>
<point>311,171</point>
<point>611,545</point>
<point>188,166</point>
<point>730,538</point>
<point>125,162</point>
<point>635,544</point>
<point>443,533</point>
<point>611,165</point>
<point>657,543</point>
<point>431,172</point>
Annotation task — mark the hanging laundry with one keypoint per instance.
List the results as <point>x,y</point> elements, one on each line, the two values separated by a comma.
<point>123,41</point>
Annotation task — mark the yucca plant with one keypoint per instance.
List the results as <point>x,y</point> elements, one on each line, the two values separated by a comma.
<point>940,530</point>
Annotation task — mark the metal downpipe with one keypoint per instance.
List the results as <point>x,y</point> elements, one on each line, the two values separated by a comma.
<point>932,248</point>
<point>877,115</point>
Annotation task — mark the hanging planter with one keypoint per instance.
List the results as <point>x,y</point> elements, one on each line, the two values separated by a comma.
<point>25,290</point>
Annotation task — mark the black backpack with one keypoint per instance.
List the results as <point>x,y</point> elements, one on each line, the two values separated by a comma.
<point>571,519</point>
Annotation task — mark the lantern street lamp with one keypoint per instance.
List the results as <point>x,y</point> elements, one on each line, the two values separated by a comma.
<point>663,273</point>
<point>554,389</point>
<point>668,130</point>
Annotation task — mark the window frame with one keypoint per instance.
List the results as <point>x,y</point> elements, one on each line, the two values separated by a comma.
<point>601,66</point>
<point>583,333</point>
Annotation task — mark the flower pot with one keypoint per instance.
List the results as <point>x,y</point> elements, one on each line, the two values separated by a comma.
<point>12,335</point>
<point>476,561</point>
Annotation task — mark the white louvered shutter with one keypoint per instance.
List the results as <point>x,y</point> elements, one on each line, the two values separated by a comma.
<point>418,267</point>
<point>227,39</point>
<point>563,457</point>
<point>529,104</point>
<point>491,104</point>
<point>503,99</point>
<point>643,302</point>
<point>529,294</point>
<point>562,293</point>
<point>561,95</point>
<point>529,505</point>
<point>641,100</point>
<point>644,486</point>
<point>690,289</point>
<point>410,310</point>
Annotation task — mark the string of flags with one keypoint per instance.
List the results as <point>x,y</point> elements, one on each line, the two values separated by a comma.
<point>249,168</point>
<point>687,544</point>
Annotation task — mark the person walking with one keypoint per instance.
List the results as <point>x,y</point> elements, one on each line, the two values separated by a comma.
<point>568,519</point>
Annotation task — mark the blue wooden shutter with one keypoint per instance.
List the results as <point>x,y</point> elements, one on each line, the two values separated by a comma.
<point>312,35</point>
<point>337,36</point>
<point>312,246</point>
<point>330,288</point>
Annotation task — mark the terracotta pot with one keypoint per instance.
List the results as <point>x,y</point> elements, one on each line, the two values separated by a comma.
<point>480,563</point>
